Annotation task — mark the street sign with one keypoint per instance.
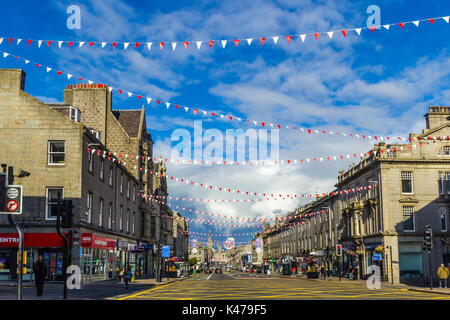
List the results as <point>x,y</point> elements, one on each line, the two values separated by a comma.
<point>165,252</point>
<point>12,201</point>
<point>377,257</point>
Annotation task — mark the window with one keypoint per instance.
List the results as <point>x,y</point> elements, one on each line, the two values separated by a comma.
<point>134,192</point>
<point>110,216</point>
<point>56,152</point>
<point>75,114</point>
<point>102,167</point>
<point>446,150</point>
<point>90,161</point>
<point>133,222</point>
<point>128,189</point>
<point>407,182</point>
<point>408,218</point>
<point>97,134</point>
<point>121,218</point>
<point>89,207</point>
<point>443,217</point>
<point>444,182</point>
<point>128,220</point>
<point>100,213</point>
<point>53,194</point>
<point>111,171</point>
<point>121,183</point>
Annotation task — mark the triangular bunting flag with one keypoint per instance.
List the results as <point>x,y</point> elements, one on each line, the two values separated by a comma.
<point>174,45</point>
<point>125,45</point>
<point>275,39</point>
<point>446,19</point>
<point>303,36</point>
<point>330,34</point>
<point>224,42</point>
<point>416,23</point>
<point>81,44</point>
<point>103,44</point>
<point>149,45</point>
<point>199,43</point>
<point>249,41</point>
<point>358,31</point>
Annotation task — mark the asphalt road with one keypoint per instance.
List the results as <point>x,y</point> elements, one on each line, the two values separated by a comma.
<point>243,286</point>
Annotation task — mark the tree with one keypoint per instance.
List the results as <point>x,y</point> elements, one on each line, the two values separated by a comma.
<point>193,261</point>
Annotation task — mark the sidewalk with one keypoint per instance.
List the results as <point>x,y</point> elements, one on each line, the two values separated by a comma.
<point>95,290</point>
<point>334,279</point>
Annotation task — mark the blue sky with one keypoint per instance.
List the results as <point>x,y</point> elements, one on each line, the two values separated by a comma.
<point>378,83</point>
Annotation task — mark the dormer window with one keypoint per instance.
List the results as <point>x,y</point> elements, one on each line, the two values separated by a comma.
<point>75,114</point>
<point>97,134</point>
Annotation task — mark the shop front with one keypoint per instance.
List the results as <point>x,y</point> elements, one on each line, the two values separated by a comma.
<point>137,259</point>
<point>374,254</point>
<point>97,257</point>
<point>49,245</point>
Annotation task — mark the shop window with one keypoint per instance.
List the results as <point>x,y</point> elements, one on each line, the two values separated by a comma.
<point>408,218</point>
<point>407,184</point>
<point>443,218</point>
<point>53,194</point>
<point>444,183</point>
<point>56,152</point>
<point>410,255</point>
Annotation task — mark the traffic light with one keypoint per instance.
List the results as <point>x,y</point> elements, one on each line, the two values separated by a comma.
<point>66,214</point>
<point>428,237</point>
<point>339,250</point>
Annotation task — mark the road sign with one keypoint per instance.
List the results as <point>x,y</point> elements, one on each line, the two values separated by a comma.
<point>13,200</point>
<point>377,257</point>
<point>12,193</point>
<point>165,252</point>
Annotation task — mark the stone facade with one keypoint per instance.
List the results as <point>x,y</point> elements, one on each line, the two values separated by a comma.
<point>27,126</point>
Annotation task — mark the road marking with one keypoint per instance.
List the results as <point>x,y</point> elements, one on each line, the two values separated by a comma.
<point>210,276</point>
<point>138,294</point>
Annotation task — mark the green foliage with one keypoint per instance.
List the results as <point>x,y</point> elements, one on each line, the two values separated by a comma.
<point>193,261</point>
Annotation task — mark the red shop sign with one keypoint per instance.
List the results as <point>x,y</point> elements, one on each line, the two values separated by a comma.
<point>88,240</point>
<point>31,240</point>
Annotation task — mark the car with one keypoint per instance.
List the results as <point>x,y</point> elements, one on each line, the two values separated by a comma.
<point>218,270</point>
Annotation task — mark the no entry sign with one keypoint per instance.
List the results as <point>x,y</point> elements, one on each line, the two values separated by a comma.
<point>12,205</point>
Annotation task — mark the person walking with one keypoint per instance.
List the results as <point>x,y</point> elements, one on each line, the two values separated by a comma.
<point>40,275</point>
<point>350,273</point>
<point>127,276</point>
<point>442,274</point>
<point>355,273</point>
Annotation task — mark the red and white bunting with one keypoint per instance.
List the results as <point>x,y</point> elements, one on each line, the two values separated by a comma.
<point>289,38</point>
<point>218,116</point>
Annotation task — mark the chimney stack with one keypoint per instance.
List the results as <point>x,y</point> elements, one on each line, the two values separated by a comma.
<point>12,79</point>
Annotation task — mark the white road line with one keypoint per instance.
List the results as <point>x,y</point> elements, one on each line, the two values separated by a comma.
<point>210,276</point>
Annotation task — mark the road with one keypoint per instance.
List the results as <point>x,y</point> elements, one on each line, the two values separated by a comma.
<point>243,286</point>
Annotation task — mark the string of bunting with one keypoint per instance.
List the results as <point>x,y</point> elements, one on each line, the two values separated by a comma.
<point>208,43</point>
<point>214,115</point>
<point>223,234</point>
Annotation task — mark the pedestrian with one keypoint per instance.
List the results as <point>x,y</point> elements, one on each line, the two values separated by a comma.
<point>40,275</point>
<point>442,274</point>
<point>293,271</point>
<point>350,273</point>
<point>127,276</point>
<point>355,273</point>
